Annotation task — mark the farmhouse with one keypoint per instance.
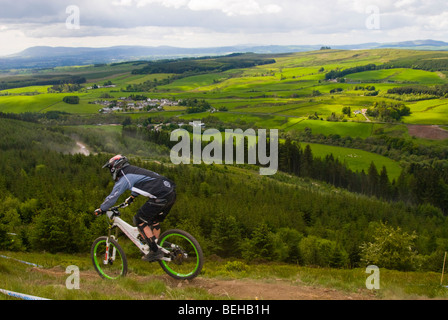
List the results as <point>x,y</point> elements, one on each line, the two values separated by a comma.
<point>99,87</point>
<point>197,124</point>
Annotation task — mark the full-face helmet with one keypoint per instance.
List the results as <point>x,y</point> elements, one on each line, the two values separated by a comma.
<point>115,165</point>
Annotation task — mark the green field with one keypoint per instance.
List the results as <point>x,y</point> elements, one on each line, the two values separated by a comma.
<point>398,75</point>
<point>281,89</point>
<point>44,103</point>
<point>282,95</point>
<point>429,112</point>
<point>357,160</point>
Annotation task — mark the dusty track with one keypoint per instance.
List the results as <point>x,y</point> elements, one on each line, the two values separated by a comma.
<point>278,290</point>
<point>241,289</point>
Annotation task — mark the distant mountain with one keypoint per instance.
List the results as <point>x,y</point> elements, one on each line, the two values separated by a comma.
<point>416,44</point>
<point>49,57</point>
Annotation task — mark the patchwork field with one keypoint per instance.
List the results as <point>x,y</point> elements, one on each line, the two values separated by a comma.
<point>291,94</point>
<point>386,107</point>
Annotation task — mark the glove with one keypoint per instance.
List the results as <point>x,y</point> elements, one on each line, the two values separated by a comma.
<point>129,200</point>
<point>98,212</point>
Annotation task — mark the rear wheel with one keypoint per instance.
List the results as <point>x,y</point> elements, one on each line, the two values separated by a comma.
<point>109,258</point>
<point>185,255</point>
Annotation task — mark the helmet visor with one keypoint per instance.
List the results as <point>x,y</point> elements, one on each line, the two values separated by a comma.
<point>112,161</point>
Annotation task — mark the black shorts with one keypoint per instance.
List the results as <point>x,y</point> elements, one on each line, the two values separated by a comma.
<point>155,210</point>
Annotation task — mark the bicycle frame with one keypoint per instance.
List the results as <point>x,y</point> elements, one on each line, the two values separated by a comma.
<point>131,232</point>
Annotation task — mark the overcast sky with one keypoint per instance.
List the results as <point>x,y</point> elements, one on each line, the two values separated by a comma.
<point>209,23</point>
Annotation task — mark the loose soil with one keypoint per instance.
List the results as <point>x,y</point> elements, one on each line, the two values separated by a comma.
<point>433,132</point>
<point>241,289</point>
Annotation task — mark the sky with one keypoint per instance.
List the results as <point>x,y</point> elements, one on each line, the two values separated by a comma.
<point>215,23</point>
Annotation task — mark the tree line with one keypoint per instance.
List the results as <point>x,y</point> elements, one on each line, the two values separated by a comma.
<point>429,62</point>
<point>437,90</point>
<point>335,74</point>
<point>418,183</point>
<point>204,64</point>
<point>40,80</point>
<point>403,150</point>
<point>195,105</point>
<point>149,84</point>
<point>48,196</point>
<point>388,111</point>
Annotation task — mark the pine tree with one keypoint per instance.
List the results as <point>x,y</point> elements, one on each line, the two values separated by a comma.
<point>373,179</point>
<point>307,162</point>
<point>385,187</point>
<point>226,236</point>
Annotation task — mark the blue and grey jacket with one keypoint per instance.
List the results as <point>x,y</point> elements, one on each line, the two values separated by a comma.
<point>141,182</point>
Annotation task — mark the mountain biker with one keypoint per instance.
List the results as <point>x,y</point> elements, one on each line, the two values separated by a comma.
<point>161,193</point>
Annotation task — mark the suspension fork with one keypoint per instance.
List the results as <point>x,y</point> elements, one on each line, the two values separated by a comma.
<point>109,257</point>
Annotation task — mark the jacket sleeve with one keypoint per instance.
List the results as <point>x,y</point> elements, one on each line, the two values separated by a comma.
<point>120,187</point>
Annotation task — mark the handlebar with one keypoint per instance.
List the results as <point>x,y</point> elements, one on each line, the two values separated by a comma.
<point>123,205</point>
<point>113,212</point>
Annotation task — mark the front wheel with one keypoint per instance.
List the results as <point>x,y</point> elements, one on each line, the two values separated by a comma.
<point>109,258</point>
<point>185,258</point>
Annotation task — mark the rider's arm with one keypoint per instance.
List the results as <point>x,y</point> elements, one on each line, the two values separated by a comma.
<point>120,187</point>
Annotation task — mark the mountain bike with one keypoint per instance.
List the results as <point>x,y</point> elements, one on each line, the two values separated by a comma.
<point>183,257</point>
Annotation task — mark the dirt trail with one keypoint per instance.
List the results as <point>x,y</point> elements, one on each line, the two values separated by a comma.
<point>82,149</point>
<point>241,289</point>
<point>278,290</point>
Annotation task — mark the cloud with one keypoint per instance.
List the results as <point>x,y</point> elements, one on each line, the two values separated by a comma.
<point>219,22</point>
<point>228,7</point>
<point>122,3</point>
<point>234,7</point>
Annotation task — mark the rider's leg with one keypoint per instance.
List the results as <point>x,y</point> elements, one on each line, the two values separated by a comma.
<point>155,229</point>
<point>148,219</point>
<point>153,213</point>
<point>143,220</point>
<point>148,235</point>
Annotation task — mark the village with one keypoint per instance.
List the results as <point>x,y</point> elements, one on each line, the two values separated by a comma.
<point>128,104</point>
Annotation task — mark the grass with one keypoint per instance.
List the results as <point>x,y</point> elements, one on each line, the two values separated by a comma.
<point>358,160</point>
<point>352,129</point>
<point>25,90</point>
<point>44,103</point>
<point>50,281</point>
<point>147,282</point>
<point>429,112</point>
<point>398,75</point>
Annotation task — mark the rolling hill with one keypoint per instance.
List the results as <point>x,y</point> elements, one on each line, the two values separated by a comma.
<point>39,57</point>
<point>354,166</point>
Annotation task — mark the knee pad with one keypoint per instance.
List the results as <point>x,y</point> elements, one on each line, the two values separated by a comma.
<point>140,224</point>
